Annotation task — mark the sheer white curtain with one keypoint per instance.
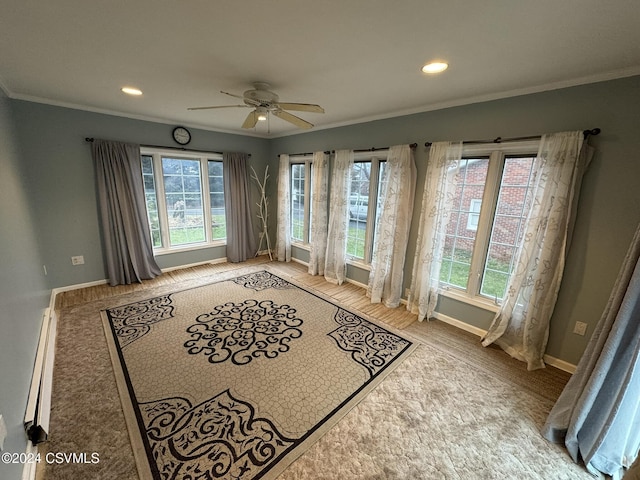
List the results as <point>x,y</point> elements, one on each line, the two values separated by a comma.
<point>521,326</point>
<point>319,214</point>
<point>392,227</point>
<point>283,239</point>
<point>336,259</point>
<point>437,203</point>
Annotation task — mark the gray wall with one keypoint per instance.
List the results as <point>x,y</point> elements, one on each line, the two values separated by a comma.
<point>48,203</point>
<point>62,182</point>
<point>23,291</point>
<point>48,212</point>
<point>609,208</point>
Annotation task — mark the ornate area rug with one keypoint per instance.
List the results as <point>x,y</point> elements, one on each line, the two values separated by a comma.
<point>237,378</point>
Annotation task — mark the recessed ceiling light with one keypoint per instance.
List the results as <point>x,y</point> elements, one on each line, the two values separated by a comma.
<point>131,91</point>
<point>435,67</point>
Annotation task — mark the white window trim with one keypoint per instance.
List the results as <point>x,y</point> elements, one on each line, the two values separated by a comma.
<point>496,154</point>
<point>156,155</point>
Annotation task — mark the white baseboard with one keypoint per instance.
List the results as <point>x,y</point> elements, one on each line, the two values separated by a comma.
<point>347,280</point>
<point>301,262</point>
<point>197,264</point>
<point>461,325</point>
<point>68,288</point>
<point>559,364</point>
<point>77,286</point>
<point>548,359</point>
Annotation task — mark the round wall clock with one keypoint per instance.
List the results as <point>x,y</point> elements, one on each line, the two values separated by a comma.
<point>181,135</point>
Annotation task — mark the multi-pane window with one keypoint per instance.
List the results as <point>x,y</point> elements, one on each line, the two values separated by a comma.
<point>185,199</point>
<point>216,200</point>
<point>474,213</point>
<point>492,200</point>
<point>151,201</point>
<point>358,209</point>
<point>300,213</point>
<point>514,203</point>
<point>460,240</point>
<point>367,180</point>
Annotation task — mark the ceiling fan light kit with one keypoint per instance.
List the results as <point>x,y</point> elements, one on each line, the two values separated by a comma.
<point>263,101</point>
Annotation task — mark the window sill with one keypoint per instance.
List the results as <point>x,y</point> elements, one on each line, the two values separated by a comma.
<point>354,262</point>
<point>187,248</point>
<point>303,246</point>
<point>477,301</point>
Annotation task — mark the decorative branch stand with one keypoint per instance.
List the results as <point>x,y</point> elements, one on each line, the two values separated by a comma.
<point>263,214</point>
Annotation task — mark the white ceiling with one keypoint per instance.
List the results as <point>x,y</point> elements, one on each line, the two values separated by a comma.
<point>359,59</point>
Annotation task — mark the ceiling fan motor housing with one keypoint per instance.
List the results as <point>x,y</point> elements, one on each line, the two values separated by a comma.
<point>260,95</point>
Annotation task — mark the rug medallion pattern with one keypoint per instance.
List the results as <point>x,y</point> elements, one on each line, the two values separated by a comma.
<point>233,380</point>
<point>243,331</point>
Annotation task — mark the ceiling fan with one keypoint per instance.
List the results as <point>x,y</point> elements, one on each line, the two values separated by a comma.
<point>264,102</point>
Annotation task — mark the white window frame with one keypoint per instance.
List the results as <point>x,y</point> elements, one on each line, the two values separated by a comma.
<point>307,161</point>
<point>496,154</point>
<point>473,218</point>
<point>163,216</point>
<point>376,158</point>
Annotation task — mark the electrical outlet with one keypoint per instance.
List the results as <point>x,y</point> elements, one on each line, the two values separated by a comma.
<point>3,432</point>
<point>580,328</point>
<point>79,260</point>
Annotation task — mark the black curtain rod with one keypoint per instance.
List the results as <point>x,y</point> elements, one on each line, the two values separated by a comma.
<point>372,149</point>
<point>305,154</point>
<point>162,147</point>
<point>376,149</point>
<point>586,133</point>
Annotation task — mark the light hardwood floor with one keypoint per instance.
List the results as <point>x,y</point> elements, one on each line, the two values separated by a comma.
<point>347,293</point>
<point>547,382</point>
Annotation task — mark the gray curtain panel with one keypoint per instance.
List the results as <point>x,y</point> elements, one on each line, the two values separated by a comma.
<point>241,241</point>
<point>125,228</point>
<point>598,413</point>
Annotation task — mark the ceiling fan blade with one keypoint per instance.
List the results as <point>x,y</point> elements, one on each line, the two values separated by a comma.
<point>251,120</point>
<point>249,101</point>
<point>297,121</point>
<point>218,106</point>
<point>231,94</point>
<point>301,107</point>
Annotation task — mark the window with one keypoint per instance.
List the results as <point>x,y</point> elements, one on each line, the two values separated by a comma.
<point>367,177</point>
<point>300,199</point>
<point>474,214</point>
<point>185,199</point>
<point>492,200</point>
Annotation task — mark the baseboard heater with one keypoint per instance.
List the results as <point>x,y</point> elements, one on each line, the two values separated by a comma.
<point>36,419</point>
